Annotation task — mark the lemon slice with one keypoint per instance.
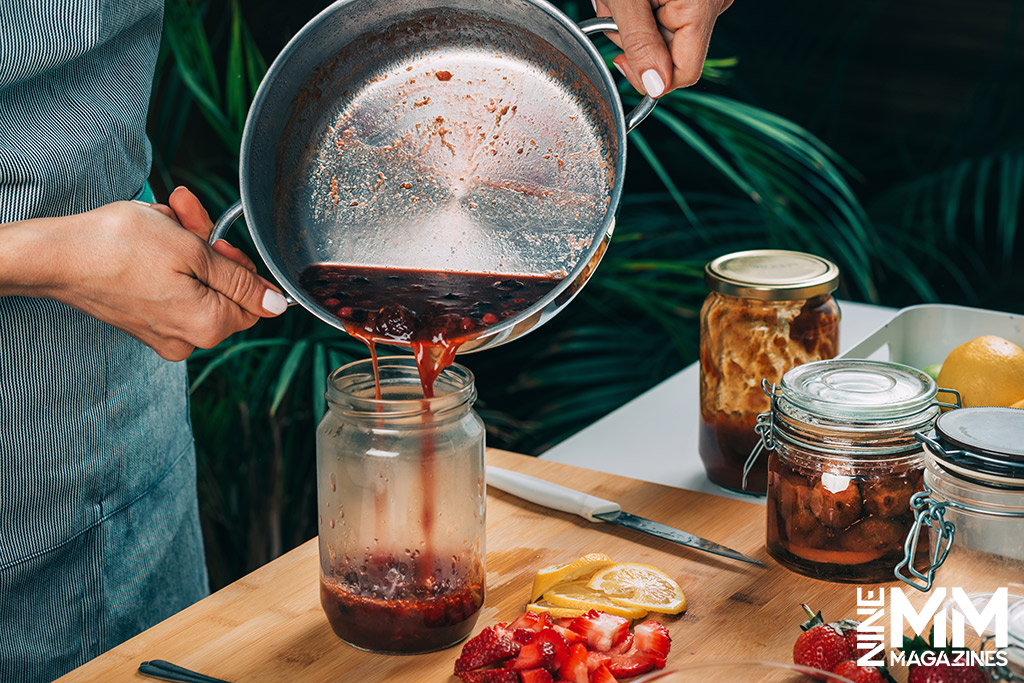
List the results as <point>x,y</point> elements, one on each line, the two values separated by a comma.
<point>555,611</point>
<point>548,577</point>
<point>576,595</point>
<point>639,586</point>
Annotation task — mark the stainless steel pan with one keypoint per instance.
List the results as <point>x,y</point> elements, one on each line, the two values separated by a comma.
<point>461,136</point>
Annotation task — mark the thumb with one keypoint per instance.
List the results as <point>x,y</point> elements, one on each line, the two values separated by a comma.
<point>645,47</point>
<point>244,287</point>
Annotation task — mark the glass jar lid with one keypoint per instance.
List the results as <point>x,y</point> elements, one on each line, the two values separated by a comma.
<point>858,390</point>
<point>982,443</point>
<point>771,275</point>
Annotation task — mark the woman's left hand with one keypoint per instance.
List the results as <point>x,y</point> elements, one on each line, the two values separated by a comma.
<point>665,41</point>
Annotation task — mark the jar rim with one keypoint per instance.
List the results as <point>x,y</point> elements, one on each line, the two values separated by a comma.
<point>351,389</point>
<point>771,275</point>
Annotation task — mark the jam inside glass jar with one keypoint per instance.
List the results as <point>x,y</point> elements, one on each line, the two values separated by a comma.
<point>768,311</point>
<point>844,463</point>
<point>401,507</point>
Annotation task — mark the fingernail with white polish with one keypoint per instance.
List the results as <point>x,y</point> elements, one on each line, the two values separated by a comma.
<point>619,69</point>
<point>139,201</point>
<point>594,3</point>
<point>652,83</point>
<point>274,303</point>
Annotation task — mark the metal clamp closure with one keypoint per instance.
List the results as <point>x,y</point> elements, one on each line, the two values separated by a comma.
<point>765,428</point>
<point>929,513</point>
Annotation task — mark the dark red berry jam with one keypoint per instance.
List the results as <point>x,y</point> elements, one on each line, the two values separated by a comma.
<point>406,306</point>
<point>433,312</point>
<point>389,607</point>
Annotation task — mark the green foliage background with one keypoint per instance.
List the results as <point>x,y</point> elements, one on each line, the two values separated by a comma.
<point>713,170</point>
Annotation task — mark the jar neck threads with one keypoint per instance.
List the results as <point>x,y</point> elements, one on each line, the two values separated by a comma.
<point>352,391</point>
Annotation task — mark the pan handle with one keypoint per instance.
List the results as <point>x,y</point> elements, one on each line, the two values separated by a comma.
<point>647,104</point>
<point>224,223</point>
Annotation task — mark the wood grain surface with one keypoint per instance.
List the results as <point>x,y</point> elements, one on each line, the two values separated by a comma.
<point>269,625</point>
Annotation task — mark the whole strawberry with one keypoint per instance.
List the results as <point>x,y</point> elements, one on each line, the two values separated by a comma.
<point>821,647</point>
<point>940,669</point>
<point>858,674</point>
<point>946,673</point>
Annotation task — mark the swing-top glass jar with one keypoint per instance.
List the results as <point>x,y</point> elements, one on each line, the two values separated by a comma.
<point>973,502</point>
<point>400,484</point>
<point>769,310</point>
<point>843,465</point>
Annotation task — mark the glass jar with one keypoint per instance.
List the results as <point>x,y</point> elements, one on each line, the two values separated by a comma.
<point>768,311</point>
<point>973,502</point>
<point>400,484</point>
<point>843,465</point>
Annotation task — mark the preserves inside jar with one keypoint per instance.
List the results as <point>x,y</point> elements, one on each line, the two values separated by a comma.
<point>383,605</point>
<point>848,526</point>
<point>742,342</point>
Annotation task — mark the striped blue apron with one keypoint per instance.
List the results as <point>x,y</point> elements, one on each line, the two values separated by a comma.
<point>99,524</point>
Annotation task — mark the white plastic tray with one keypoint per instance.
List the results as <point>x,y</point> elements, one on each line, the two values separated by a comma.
<point>920,336</point>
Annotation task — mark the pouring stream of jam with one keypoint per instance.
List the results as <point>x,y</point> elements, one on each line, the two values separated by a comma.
<point>433,313</point>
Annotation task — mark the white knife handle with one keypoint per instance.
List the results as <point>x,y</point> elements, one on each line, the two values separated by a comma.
<point>550,495</point>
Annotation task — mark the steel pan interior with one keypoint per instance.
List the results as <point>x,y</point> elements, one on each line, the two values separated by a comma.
<point>447,138</point>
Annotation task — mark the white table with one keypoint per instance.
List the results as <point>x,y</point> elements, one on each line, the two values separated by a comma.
<point>654,436</point>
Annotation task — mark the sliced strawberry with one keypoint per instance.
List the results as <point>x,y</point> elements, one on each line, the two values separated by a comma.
<point>602,675</point>
<point>623,647</point>
<point>547,650</point>
<point>536,676</point>
<point>491,645</point>
<point>532,621</point>
<point>564,621</point>
<point>596,660</point>
<point>574,669</point>
<point>567,633</point>
<point>603,631</point>
<point>633,663</point>
<point>652,638</point>
<point>490,676</point>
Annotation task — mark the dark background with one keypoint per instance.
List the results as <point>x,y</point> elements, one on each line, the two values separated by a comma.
<point>918,200</point>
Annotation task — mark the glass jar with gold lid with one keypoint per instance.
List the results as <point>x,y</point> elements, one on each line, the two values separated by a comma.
<point>768,311</point>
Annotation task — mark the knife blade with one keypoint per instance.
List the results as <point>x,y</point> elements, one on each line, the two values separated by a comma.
<point>594,509</point>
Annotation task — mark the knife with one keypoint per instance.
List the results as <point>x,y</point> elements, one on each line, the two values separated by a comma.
<point>594,509</point>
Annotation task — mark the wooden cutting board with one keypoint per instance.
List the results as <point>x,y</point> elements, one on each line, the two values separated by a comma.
<point>269,626</point>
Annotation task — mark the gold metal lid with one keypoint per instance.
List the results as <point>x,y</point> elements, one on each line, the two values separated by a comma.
<point>771,275</point>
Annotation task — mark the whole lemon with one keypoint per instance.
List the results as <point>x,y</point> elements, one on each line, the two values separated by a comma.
<point>987,371</point>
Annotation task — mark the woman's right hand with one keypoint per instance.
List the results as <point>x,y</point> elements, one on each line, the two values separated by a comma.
<point>135,267</point>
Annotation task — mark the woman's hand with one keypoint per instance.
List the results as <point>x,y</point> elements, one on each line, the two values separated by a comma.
<point>665,41</point>
<point>137,268</point>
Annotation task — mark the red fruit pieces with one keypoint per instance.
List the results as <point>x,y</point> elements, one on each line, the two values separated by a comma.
<point>946,673</point>
<point>836,501</point>
<point>536,676</point>
<point>632,663</point>
<point>594,648</point>
<point>602,675</point>
<point>596,660</point>
<point>858,674</point>
<point>547,650</point>
<point>625,646</point>
<point>651,638</point>
<point>567,633</point>
<point>602,631</point>
<point>821,647</point>
<point>490,676</point>
<point>532,621</point>
<point>574,668</point>
<point>491,645</point>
